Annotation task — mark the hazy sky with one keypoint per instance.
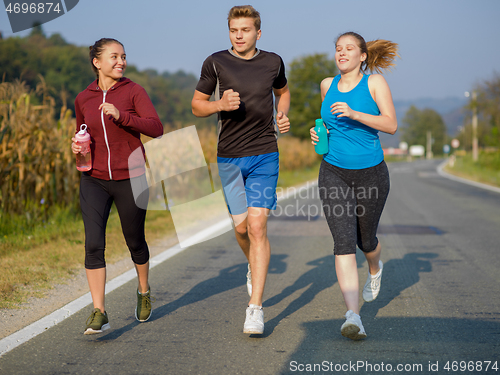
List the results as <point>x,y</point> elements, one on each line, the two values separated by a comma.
<point>446,46</point>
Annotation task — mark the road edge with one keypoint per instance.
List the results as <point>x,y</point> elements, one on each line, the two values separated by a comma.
<point>443,173</point>
<point>34,329</point>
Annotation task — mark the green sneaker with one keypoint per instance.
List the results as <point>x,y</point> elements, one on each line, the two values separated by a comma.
<point>97,322</point>
<point>143,309</point>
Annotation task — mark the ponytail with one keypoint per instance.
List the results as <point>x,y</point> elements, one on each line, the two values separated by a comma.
<point>380,54</point>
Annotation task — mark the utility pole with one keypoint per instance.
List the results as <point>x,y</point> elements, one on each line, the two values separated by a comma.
<point>474,127</point>
<point>428,150</point>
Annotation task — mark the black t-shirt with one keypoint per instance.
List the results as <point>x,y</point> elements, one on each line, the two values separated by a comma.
<point>249,130</point>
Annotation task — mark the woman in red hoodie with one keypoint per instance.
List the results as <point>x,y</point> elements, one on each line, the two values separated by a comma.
<point>116,111</point>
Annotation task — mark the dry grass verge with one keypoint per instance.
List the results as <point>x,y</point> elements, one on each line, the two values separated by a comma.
<point>44,245</point>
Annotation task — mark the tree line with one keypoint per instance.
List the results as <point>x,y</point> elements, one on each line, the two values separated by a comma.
<point>487,105</point>
<point>41,77</point>
<point>305,74</point>
<point>65,69</point>
<point>417,122</point>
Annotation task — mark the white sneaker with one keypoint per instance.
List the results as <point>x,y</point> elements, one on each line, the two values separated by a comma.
<point>372,286</point>
<point>249,281</point>
<point>254,323</point>
<point>352,327</point>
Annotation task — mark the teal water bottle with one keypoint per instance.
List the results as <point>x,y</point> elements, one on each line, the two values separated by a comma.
<point>322,145</point>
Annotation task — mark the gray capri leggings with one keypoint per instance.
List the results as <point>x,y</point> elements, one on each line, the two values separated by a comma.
<point>353,200</point>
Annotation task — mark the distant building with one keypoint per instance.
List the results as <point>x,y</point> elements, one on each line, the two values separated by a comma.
<point>394,151</point>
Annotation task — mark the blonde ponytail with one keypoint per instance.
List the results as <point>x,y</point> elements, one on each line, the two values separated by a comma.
<point>380,53</point>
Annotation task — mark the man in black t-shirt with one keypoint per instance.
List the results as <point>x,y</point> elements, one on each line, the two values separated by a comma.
<point>244,80</point>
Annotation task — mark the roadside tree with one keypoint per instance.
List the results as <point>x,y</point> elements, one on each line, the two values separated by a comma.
<point>488,109</point>
<point>417,123</point>
<point>304,78</point>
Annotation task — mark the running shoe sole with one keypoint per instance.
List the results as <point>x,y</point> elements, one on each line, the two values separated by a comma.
<point>253,331</point>
<point>91,331</point>
<point>145,320</point>
<point>351,331</point>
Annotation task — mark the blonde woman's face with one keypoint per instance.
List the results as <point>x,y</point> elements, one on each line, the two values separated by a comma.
<point>348,56</point>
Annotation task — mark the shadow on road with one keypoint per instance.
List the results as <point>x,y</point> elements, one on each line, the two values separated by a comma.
<point>227,279</point>
<point>317,279</point>
<point>417,342</point>
<point>398,275</point>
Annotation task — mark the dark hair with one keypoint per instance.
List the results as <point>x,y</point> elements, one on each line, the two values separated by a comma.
<point>96,51</point>
<point>380,53</point>
<point>244,11</point>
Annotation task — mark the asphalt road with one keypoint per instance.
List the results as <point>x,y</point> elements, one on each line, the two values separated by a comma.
<point>439,301</point>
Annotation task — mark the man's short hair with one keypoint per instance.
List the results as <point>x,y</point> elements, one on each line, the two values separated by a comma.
<point>244,11</point>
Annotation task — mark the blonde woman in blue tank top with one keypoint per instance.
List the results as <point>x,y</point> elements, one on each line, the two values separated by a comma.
<point>353,178</point>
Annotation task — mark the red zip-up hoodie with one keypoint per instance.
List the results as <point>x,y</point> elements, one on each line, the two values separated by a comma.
<point>113,141</point>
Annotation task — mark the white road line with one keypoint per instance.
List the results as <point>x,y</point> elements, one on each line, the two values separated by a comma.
<point>17,338</point>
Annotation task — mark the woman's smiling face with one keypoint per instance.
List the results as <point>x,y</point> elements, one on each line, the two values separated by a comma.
<point>112,62</point>
<point>348,55</point>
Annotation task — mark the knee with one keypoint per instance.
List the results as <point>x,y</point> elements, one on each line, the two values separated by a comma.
<point>257,230</point>
<point>94,244</point>
<point>139,251</point>
<point>94,255</point>
<point>368,246</point>
<point>136,244</point>
<point>241,229</point>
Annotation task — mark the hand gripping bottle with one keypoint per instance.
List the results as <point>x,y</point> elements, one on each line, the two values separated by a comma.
<point>322,145</point>
<point>83,158</point>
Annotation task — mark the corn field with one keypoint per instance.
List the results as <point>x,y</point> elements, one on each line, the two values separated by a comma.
<point>37,167</point>
<point>294,152</point>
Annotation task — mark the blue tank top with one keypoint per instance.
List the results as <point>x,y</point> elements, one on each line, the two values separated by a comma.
<point>351,144</point>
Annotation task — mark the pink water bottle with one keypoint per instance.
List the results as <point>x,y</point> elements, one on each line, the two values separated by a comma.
<point>84,157</point>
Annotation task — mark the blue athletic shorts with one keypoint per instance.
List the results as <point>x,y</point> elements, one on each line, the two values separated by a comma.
<point>249,181</point>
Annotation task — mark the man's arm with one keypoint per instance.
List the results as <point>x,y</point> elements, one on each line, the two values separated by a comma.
<point>203,107</point>
<point>282,102</point>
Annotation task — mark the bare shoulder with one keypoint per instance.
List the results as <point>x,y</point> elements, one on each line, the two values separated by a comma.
<point>326,83</point>
<point>325,86</point>
<point>378,86</point>
<point>376,80</point>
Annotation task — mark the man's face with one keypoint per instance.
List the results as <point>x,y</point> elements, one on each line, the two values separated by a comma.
<point>243,36</point>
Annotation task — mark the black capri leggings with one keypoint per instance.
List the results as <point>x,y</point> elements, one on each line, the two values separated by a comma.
<point>353,200</point>
<point>96,198</point>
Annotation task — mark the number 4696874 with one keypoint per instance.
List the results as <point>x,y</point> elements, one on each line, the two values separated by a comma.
<point>32,8</point>
<point>471,366</point>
